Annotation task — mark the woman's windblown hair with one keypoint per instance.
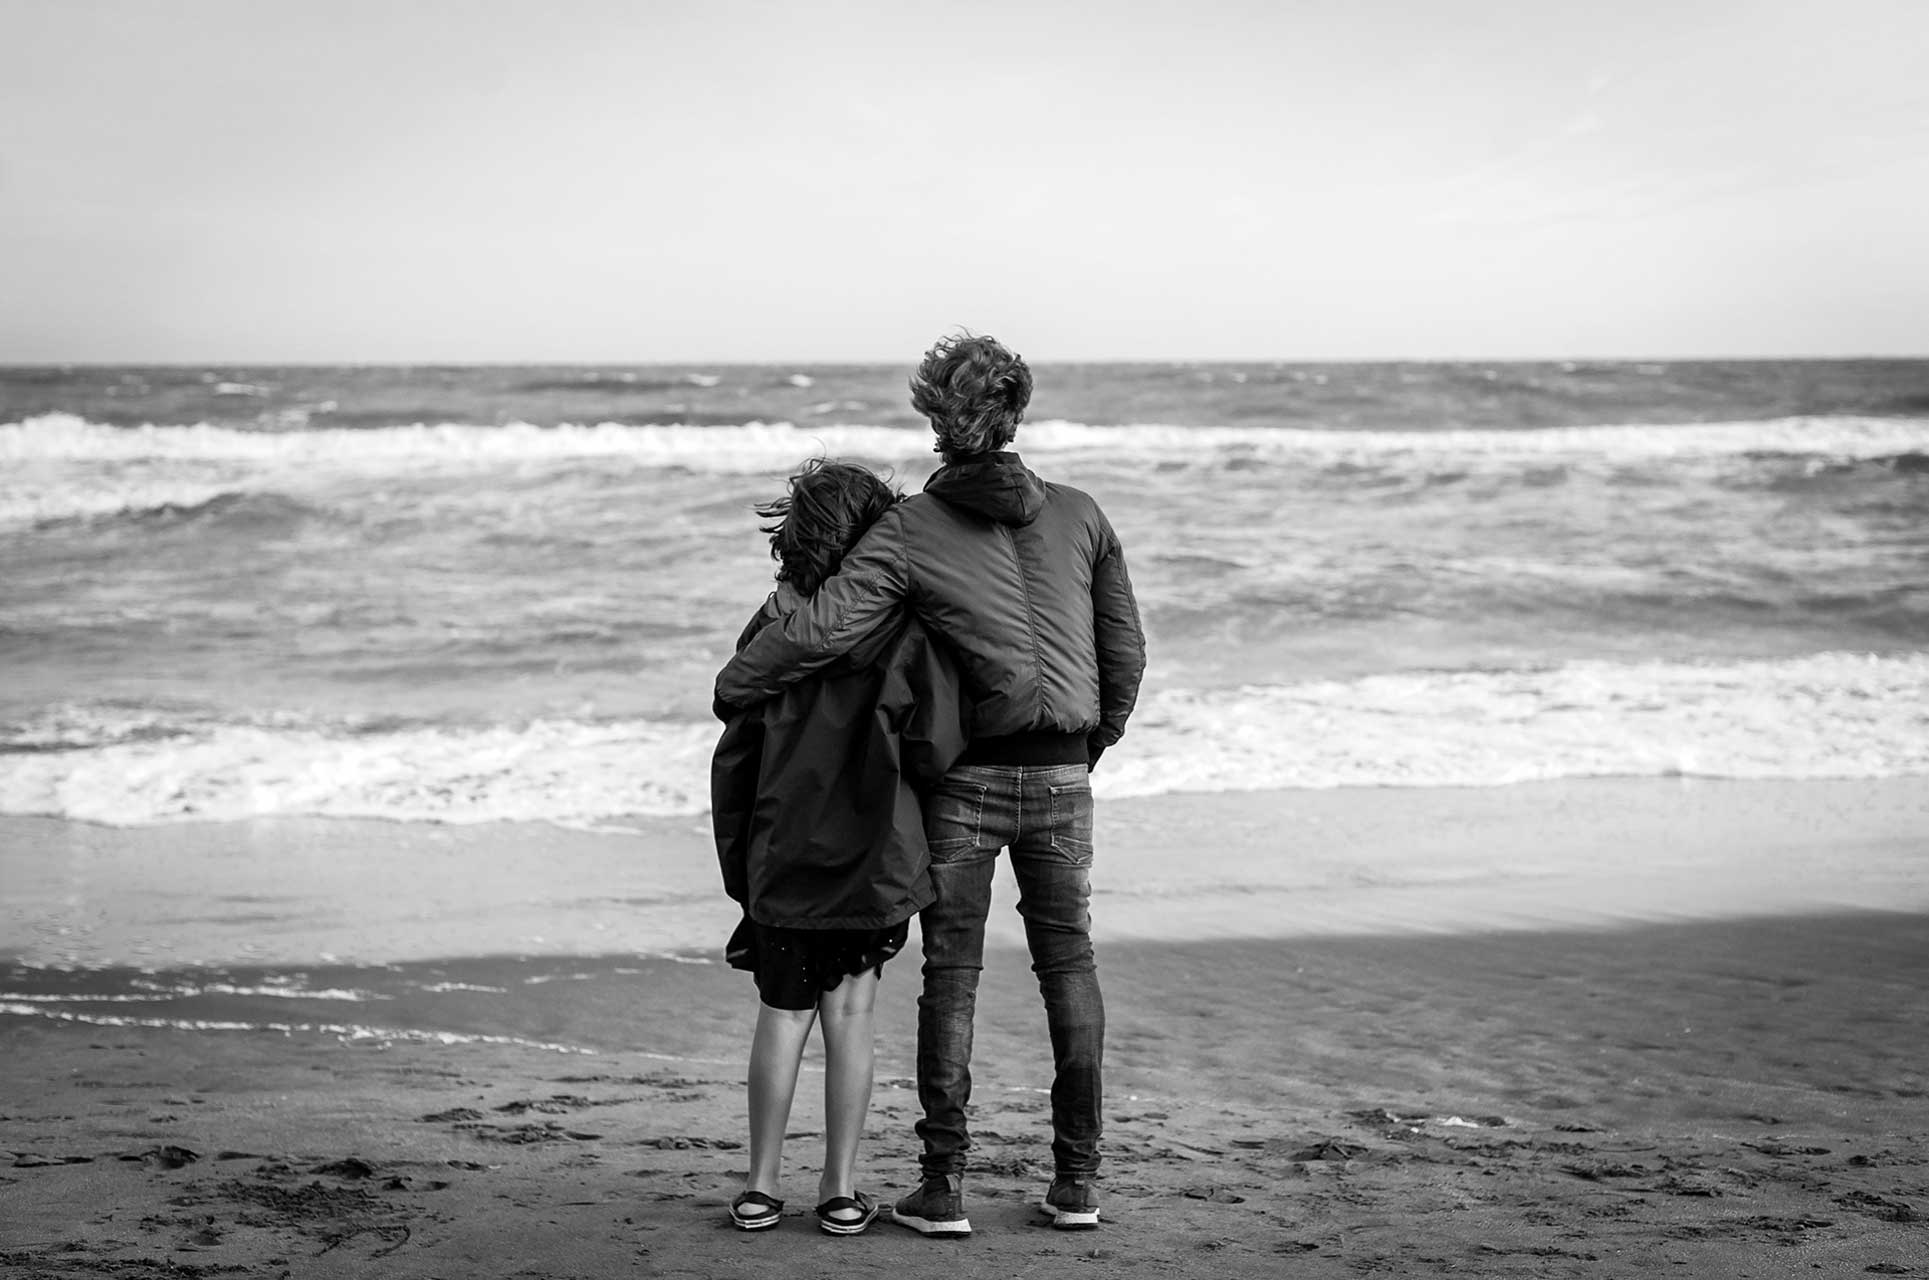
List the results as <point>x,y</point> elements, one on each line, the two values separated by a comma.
<point>974,390</point>
<point>827,509</point>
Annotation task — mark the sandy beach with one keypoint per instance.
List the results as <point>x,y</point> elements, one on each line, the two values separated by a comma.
<point>1576,1029</point>
<point>1458,474</point>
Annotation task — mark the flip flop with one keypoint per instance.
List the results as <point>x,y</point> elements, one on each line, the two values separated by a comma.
<point>755,1211</point>
<point>831,1225</point>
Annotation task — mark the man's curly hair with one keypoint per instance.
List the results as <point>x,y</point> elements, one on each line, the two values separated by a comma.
<point>828,507</point>
<point>974,390</point>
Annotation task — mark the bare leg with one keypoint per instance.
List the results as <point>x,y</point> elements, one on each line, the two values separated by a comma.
<point>775,1052</point>
<point>850,1047</point>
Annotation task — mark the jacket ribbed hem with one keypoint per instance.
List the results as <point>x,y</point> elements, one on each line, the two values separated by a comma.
<point>1036,748</point>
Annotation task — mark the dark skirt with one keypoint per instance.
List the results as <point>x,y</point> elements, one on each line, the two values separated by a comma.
<point>793,967</point>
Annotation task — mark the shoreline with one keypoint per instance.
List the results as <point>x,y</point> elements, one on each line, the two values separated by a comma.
<point>1551,1030</point>
<point>1567,854</point>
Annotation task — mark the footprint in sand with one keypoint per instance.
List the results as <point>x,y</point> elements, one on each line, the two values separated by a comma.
<point>555,1105</point>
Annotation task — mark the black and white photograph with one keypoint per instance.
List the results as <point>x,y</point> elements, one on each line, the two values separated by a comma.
<point>723,638</point>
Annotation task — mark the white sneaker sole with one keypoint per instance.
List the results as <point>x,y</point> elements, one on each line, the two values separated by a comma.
<point>926,1227</point>
<point>1070,1220</point>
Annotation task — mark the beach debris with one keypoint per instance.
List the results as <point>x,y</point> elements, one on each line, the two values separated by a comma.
<point>1217,1195</point>
<point>168,1157</point>
<point>1784,1226</point>
<point>1773,1148</point>
<point>1385,1121</point>
<point>1882,1207</point>
<point>453,1113</point>
<point>351,1167</point>
<point>1391,1123</point>
<point>1329,1149</point>
<point>1676,1185</point>
<point>1598,1171</point>
<point>32,1160</point>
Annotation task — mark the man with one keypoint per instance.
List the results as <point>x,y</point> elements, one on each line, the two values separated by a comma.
<point>1027,583</point>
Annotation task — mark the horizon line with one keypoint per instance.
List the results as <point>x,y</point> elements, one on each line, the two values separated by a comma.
<point>578,363</point>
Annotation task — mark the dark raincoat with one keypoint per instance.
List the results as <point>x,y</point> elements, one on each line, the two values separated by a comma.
<point>814,793</point>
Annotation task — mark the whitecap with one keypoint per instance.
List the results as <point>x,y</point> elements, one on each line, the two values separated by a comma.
<point>1828,715</point>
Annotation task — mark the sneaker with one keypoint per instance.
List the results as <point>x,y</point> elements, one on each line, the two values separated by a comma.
<point>1072,1202</point>
<point>936,1208</point>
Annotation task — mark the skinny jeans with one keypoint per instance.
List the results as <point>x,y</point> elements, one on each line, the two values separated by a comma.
<point>1043,816</point>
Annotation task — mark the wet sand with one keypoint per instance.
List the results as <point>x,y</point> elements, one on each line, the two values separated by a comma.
<point>1659,1086</point>
<point>1179,867</point>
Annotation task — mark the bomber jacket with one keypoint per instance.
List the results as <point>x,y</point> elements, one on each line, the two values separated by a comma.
<point>814,793</point>
<point>1025,579</point>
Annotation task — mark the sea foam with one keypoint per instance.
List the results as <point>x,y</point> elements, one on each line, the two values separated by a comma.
<point>760,445</point>
<point>58,466</point>
<point>347,1033</point>
<point>1831,715</point>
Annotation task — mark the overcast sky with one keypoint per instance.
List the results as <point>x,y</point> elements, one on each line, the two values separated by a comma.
<point>589,180</point>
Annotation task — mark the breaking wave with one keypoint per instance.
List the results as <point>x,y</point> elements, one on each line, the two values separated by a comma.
<point>762,445</point>
<point>1830,715</point>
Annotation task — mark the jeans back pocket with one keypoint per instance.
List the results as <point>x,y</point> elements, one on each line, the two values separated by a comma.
<point>954,819</point>
<point>1071,822</point>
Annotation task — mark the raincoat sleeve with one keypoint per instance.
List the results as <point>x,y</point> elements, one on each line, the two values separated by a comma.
<point>850,606</point>
<point>733,794</point>
<point>734,769</point>
<point>1120,639</point>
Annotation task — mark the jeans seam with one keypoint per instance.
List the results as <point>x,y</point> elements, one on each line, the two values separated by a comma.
<point>977,823</point>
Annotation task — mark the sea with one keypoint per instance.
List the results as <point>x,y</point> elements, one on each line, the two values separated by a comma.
<point>459,594</point>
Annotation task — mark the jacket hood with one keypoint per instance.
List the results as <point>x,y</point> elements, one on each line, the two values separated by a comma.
<point>996,485</point>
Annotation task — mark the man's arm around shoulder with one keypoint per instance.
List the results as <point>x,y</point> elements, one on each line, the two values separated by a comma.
<point>861,597</point>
